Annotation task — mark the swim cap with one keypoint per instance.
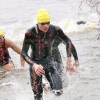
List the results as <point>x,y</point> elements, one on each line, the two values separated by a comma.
<point>42,16</point>
<point>1,32</point>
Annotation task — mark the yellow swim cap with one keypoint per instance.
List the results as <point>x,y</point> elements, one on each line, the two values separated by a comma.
<point>42,16</point>
<point>1,32</point>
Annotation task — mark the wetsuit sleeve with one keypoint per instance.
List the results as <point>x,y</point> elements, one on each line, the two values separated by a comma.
<point>70,48</point>
<point>25,48</point>
<point>74,52</point>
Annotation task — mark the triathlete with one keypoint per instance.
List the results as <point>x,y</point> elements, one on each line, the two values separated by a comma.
<point>5,59</point>
<point>40,38</point>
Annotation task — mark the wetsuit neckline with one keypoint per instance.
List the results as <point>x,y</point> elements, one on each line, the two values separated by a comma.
<point>40,32</point>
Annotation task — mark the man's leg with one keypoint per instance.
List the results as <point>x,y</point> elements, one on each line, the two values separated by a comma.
<point>36,83</point>
<point>58,62</point>
<point>59,67</point>
<point>53,77</point>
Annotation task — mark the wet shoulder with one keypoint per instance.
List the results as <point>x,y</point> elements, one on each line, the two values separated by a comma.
<point>54,27</point>
<point>31,31</point>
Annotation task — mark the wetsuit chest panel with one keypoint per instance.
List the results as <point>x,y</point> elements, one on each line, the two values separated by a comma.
<point>41,49</point>
<point>42,43</point>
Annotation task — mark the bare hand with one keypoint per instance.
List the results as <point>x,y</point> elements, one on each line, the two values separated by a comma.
<point>69,66</point>
<point>38,69</point>
<point>76,63</point>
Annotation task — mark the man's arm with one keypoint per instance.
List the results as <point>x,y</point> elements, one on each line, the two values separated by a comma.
<point>37,68</point>
<point>11,44</point>
<point>65,38</point>
<point>69,47</point>
<point>25,48</point>
<point>74,52</point>
<point>57,41</point>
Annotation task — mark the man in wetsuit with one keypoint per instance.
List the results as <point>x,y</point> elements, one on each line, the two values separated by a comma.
<point>5,59</point>
<point>41,61</point>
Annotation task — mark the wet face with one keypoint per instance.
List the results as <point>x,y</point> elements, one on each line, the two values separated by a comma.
<point>44,26</point>
<point>1,39</point>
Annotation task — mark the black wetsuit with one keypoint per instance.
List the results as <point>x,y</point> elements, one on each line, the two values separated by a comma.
<point>41,46</point>
<point>4,55</point>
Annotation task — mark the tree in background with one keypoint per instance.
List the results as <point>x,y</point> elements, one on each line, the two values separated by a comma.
<point>94,6</point>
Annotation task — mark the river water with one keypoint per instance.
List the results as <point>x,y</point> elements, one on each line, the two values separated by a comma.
<point>18,15</point>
